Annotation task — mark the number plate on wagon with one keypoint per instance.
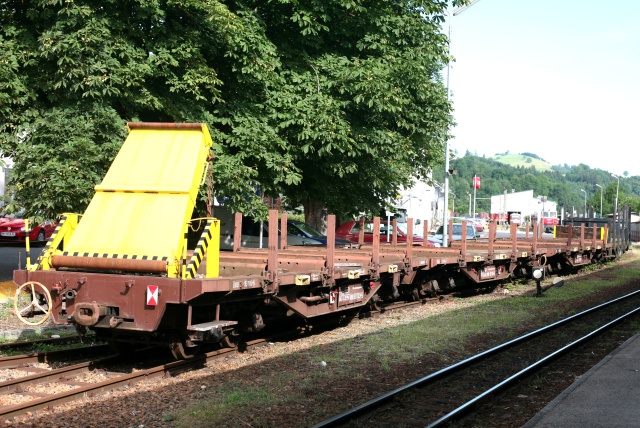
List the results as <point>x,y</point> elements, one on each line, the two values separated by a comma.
<point>488,272</point>
<point>7,234</point>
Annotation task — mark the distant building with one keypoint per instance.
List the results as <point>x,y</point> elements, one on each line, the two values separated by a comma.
<point>421,202</point>
<point>524,203</point>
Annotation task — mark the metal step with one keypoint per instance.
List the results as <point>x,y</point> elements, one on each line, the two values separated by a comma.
<point>208,326</point>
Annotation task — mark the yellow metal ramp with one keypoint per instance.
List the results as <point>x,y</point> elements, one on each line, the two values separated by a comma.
<point>140,210</point>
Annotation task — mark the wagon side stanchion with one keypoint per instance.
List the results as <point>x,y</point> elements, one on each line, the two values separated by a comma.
<point>331,249</point>
<point>394,228</point>
<point>237,232</point>
<point>283,231</point>
<point>425,230</point>
<point>271,275</point>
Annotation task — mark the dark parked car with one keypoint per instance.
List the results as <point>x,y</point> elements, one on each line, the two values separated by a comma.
<point>298,233</point>
<point>299,228</point>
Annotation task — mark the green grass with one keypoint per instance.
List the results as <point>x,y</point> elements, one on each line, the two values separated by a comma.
<point>516,160</point>
<point>5,311</point>
<point>232,405</point>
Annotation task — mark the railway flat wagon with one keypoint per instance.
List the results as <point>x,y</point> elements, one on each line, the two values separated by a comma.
<point>134,281</point>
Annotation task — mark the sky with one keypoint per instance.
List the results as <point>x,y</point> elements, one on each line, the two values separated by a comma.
<point>558,78</point>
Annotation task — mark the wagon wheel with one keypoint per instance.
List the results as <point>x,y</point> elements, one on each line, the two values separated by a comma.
<point>31,303</point>
<point>230,340</point>
<point>182,352</point>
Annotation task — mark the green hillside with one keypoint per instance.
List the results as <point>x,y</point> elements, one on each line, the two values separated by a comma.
<point>525,160</point>
<point>563,184</point>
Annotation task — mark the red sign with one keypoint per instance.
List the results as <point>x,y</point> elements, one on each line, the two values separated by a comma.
<point>476,182</point>
<point>152,295</point>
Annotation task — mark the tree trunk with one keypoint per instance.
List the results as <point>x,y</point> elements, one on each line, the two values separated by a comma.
<point>315,215</point>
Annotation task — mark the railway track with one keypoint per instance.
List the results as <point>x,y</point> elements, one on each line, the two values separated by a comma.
<point>467,393</point>
<point>73,383</point>
<point>71,377</point>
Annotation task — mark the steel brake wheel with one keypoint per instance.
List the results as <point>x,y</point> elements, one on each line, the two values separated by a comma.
<point>40,303</point>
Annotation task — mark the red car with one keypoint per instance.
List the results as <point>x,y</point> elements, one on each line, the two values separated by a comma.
<point>350,230</point>
<point>12,229</point>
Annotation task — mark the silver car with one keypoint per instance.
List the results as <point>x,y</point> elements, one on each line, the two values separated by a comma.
<point>456,235</point>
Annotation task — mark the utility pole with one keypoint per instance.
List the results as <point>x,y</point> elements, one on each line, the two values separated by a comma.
<point>447,171</point>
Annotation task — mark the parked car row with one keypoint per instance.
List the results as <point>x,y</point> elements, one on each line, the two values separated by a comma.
<point>350,230</point>
<point>298,232</point>
<point>480,224</point>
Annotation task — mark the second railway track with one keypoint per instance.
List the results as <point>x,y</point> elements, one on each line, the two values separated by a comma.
<point>482,389</point>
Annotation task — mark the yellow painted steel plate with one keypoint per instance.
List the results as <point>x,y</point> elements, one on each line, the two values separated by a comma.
<point>147,196</point>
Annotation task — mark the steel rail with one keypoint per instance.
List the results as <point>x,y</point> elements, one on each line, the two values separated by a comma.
<point>127,379</point>
<point>13,361</point>
<point>517,376</point>
<point>12,385</point>
<point>378,401</point>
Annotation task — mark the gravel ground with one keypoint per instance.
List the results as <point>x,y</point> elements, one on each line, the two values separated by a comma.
<point>149,404</point>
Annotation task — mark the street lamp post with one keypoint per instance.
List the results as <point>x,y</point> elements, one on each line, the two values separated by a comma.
<point>453,203</point>
<point>445,235</point>
<point>601,191</point>
<point>438,193</point>
<point>468,193</point>
<point>585,203</point>
<point>617,190</point>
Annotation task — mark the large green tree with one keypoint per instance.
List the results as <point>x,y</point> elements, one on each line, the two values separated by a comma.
<point>333,103</point>
<point>361,105</point>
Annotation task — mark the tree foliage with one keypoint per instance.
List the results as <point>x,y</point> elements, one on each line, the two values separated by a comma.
<point>362,105</point>
<point>334,103</point>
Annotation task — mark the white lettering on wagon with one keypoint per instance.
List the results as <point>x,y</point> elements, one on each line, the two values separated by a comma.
<point>250,283</point>
<point>353,294</point>
<point>488,272</point>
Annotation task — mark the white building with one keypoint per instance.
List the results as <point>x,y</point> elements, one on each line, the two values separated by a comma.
<point>421,202</point>
<point>523,203</point>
